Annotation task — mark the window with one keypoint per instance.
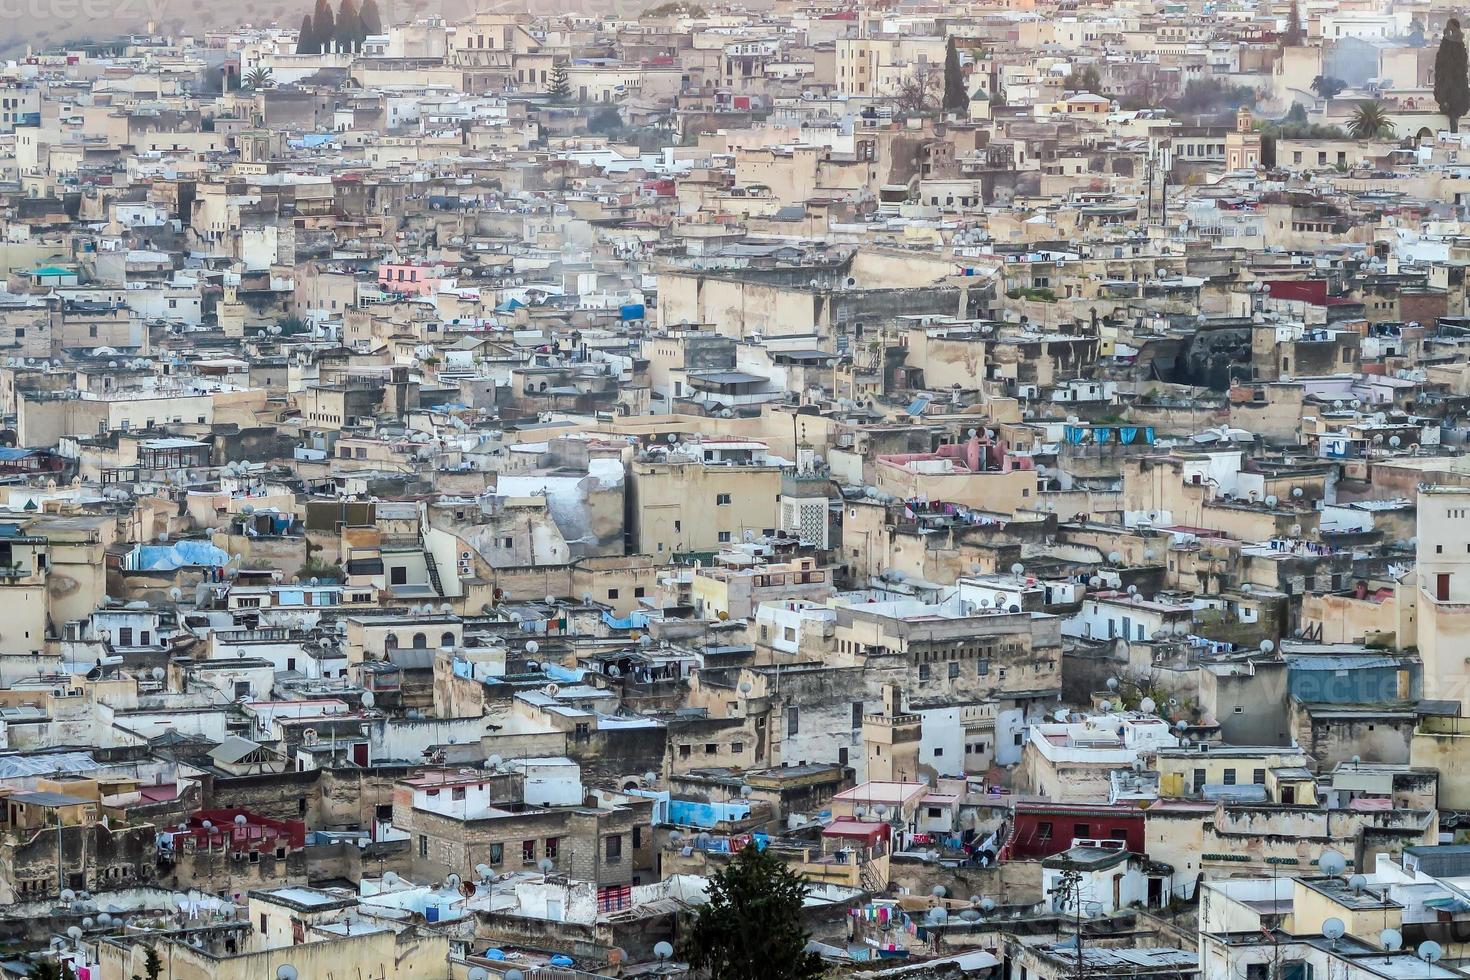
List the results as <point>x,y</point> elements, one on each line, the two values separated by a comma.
<point>737,748</point>
<point>923,672</point>
<point>612,594</point>
<point>1199,779</point>
<point>1043,831</point>
<point>711,748</point>
<point>125,636</point>
<point>637,838</point>
<point>553,845</point>
<point>398,575</point>
<point>793,720</point>
<point>614,848</point>
<point>721,499</point>
<point>724,537</point>
<point>1229,777</point>
<point>497,853</point>
<point>857,715</point>
<point>457,793</point>
<point>935,813</point>
<point>423,847</point>
<point>954,669</point>
<point>1258,776</point>
<point>528,852</point>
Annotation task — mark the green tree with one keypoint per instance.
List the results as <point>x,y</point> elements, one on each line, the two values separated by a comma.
<point>349,27</point>
<point>560,85</point>
<point>306,42</point>
<point>152,965</point>
<point>372,21</point>
<point>258,77</point>
<point>751,925</point>
<point>1451,86</point>
<point>1327,87</point>
<point>1292,37</point>
<point>325,26</point>
<point>606,120</point>
<point>1370,121</point>
<point>51,970</point>
<point>675,8</point>
<point>956,96</point>
<point>1207,95</point>
<point>1086,80</point>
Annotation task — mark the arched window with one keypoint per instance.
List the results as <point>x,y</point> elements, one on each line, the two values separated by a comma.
<point>447,640</point>
<point>420,641</point>
<point>391,642</point>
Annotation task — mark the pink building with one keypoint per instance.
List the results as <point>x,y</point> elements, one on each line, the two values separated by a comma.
<point>410,278</point>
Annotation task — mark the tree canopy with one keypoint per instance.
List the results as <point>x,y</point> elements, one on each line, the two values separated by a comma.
<point>751,926</point>
<point>1451,86</point>
<point>956,95</point>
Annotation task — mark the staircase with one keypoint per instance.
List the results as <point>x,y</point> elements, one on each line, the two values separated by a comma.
<point>433,568</point>
<point>873,882</point>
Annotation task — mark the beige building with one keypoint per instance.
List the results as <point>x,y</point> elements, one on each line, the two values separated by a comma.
<point>1442,571</point>
<point>680,507</point>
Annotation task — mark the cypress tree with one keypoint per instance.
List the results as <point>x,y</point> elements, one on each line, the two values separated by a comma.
<point>956,97</point>
<point>349,27</point>
<point>306,42</point>
<point>325,26</point>
<point>372,21</point>
<point>1293,36</point>
<point>1451,86</point>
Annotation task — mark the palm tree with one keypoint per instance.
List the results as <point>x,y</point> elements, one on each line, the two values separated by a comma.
<point>259,77</point>
<point>1370,121</point>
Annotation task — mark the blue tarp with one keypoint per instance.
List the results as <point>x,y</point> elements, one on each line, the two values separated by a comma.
<point>690,813</point>
<point>311,141</point>
<point>633,621</point>
<point>166,557</point>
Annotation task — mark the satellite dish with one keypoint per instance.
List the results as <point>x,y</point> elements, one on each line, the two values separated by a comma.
<point>1333,929</point>
<point>1357,883</point>
<point>1430,951</point>
<point>1332,863</point>
<point>1391,939</point>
